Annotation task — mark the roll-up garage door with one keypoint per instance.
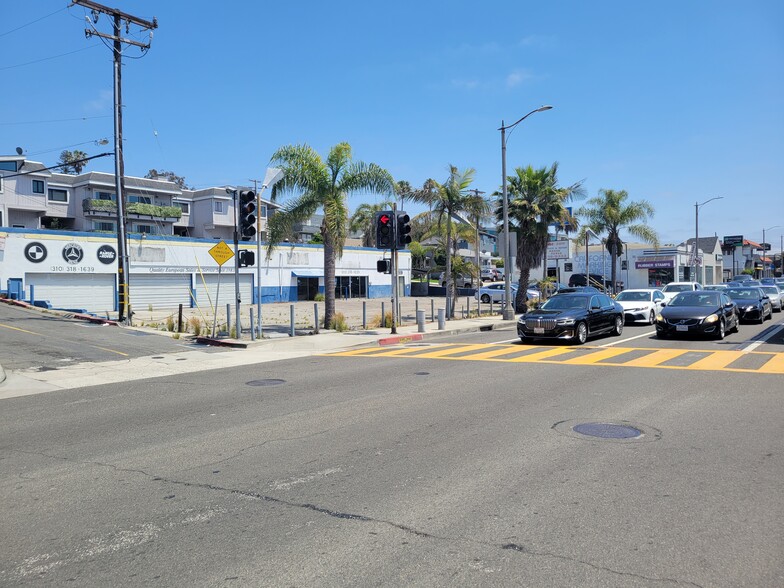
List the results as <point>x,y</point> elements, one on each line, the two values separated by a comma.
<point>226,289</point>
<point>159,291</point>
<point>94,293</point>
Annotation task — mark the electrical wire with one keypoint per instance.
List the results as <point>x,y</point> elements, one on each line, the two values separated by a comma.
<point>56,120</point>
<point>47,58</point>
<point>32,22</point>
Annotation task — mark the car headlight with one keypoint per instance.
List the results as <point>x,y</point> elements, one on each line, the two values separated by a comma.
<point>659,318</point>
<point>565,321</point>
<point>521,320</point>
<point>711,319</point>
<point>748,308</point>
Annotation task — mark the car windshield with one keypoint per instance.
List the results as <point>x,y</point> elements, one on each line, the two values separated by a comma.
<point>771,290</point>
<point>677,288</point>
<point>566,302</point>
<point>696,299</point>
<point>633,297</point>
<point>743,294</point>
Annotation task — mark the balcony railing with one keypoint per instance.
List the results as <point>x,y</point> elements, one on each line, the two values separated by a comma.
<point>138,209</point>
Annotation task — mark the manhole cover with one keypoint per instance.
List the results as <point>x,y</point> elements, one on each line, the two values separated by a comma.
<point>269,382</point>
<point>607,430</point>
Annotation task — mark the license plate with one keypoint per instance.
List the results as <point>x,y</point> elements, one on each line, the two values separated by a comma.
<point>539,330</point>
<point>681,328</point>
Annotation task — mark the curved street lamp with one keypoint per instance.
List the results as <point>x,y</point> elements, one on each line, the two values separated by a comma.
<point>697,231</point>
<point>508,313</point>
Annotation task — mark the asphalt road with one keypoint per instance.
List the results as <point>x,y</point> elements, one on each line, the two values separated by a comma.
<point>35,340</point>
<point>384,469</point>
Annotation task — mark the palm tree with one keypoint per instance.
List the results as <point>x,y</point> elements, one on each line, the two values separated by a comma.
<point>609,213</point>
<point>72,162</point>
<point>364,219</point>
<point>535,202</point>
<point>325,185</point>
<point>446,200</point>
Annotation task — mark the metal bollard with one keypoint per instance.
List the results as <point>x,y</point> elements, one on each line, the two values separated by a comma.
<point>383,316</point>
<point>432,311</point>
<point>315,314</point>
<point>228,318</point>
<point>291,312</point>
<point>399,314</point>
<point>416,307</point>
<point>441,319</point>
<point>420,316</point>
<point>252,329</point>
<point>364,315</point>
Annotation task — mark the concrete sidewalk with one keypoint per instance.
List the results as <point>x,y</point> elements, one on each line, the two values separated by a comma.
<point>246,352</point>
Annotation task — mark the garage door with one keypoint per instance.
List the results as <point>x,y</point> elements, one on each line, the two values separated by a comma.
<point>94,293</point>
<point>159,291</point>
<point>210,286</point>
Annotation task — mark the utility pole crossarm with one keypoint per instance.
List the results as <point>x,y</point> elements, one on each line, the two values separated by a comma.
<point>129,18</point>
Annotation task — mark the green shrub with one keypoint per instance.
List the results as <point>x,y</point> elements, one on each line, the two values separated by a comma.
<point>195,324</point>
<point>319,298</point>
<point>170,323</point>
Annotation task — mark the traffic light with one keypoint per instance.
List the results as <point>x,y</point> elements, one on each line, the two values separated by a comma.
<point>403,230</point>
<point>385,230</point>
<point>247,214</point>
<point>384,266</point>
<point>247,258</point>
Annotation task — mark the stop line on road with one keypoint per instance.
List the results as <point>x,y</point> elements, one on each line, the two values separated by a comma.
<point>761,362</point>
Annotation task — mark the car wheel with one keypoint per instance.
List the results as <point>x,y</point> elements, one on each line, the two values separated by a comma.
<point>652,318</point>
<point>662,335</point>
<point>770,315</point>
<point>762,316</point>
<point>581,333</point>
<point>736,328</point>
<point>485,298</point>
<point>618,329</point>
<point>722,330</point>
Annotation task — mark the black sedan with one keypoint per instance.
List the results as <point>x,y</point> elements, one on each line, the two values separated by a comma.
<point>753,304</point>
<point>573,316</point>
<point>698,312</point>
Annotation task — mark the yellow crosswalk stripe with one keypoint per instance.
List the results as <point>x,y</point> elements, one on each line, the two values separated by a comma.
<point>716,360</point>
<point>596,356</point>
<point>775,365</point>
<point>656,358</point>
<point>494,353</point>
<point>547,354</point>
<point>449,351</point>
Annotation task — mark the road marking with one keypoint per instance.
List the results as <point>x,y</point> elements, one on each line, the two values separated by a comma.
<point>690,359</point>
<point>18,329</point>
<point>628,339</point>
<point>110,350</point>
<point>756,343</point>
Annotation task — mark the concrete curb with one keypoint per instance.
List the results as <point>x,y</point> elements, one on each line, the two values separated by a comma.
<point>2,375</point>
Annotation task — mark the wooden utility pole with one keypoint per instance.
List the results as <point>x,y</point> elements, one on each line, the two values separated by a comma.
<point>118,17</point>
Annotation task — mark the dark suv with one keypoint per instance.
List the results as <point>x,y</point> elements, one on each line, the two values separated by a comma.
<point>596,280</point>
<point>574,316</point>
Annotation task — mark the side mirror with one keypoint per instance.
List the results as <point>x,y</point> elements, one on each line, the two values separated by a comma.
<point>663,304</point>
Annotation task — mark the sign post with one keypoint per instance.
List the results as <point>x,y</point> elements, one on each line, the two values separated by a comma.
<point>221,253</point>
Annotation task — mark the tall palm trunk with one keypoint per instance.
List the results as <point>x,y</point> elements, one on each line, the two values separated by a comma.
<point>329,277</point>
<point>450,294</point>
<point>522,290</point>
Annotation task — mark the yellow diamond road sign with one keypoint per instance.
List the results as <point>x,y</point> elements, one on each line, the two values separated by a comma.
<point>221,253</point>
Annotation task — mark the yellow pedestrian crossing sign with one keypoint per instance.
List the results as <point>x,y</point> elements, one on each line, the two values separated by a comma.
<point>221,253</point>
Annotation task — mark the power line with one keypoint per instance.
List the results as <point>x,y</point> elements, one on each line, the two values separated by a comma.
<point>56,120</point>
<point>32,22</point>
<point>47,58</point>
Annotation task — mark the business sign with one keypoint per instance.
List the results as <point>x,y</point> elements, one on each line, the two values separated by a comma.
<point>654,264</point>
<point>733,240</point>
<point>558,249</point>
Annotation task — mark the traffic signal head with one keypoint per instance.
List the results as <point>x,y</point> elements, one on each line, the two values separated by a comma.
<point>403,230</point>
<point>247,258</point>
<point>385,230</point>
<point>247,214</point>
<point>384,266</point>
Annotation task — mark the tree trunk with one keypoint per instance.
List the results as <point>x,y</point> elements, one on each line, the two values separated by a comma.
<point>329,278</point>
<point>449,282</point>
<point>520,305</point>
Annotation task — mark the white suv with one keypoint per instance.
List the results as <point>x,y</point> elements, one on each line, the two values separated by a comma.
<point>671,289</point>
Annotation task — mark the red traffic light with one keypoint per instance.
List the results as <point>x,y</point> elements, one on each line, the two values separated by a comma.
<point>384,219</point>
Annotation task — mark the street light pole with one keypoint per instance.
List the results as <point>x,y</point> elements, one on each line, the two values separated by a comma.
<point>697,232</point>
<point>508,313</point>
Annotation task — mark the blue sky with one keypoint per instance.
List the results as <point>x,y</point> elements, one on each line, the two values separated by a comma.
<point>674,101</point>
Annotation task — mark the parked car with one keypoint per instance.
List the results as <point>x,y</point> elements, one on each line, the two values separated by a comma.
<point>776,296</point>
<point>574,316</point>
<point>596,280</point>
<point>753,304</point>
<point>641,304</point>
<point>768,281</point>
<point>715,287</point>
<point>671,289</point>
<point>461,281</point>
<point>496,291</point>
<point>698,312</point>
<point>490,274</point>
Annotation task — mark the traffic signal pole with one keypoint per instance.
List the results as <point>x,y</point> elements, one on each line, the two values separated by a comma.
<point>237,328</point>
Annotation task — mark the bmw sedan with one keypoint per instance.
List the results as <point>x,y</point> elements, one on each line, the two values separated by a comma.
<point>702,312</point>
<point>753,304</point>
<point>573,316</point>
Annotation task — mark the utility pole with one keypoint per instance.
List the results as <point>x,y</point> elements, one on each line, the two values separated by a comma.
<point>119,166</point>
